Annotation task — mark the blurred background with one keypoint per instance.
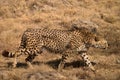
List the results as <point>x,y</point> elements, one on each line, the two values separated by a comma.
<point>18,15</point>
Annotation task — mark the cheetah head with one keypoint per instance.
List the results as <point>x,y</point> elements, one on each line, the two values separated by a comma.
<point>99,42</point>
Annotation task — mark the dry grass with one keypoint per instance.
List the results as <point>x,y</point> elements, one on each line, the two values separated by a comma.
<point>18,15</point>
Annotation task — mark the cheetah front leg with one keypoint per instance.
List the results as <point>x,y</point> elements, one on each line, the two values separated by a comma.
<point>87,61</point>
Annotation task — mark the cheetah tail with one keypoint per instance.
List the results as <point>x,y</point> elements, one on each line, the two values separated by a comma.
<point>5,53</point>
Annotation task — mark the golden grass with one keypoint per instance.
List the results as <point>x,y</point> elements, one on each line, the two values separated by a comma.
<point>18,15</point>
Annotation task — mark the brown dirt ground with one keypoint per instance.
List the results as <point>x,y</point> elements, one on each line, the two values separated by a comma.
<point>18,15</point>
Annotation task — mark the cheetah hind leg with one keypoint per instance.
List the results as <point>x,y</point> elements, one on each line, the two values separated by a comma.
<point>29,59</point>
<point>61,65</point>
<point>17,54</point>
<point>30,65</point>
<point>87,61</point>
<point>63,61</point>
<point>15,61</point>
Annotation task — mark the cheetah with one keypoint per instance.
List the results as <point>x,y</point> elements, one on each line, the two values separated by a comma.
<point>63,41</point>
